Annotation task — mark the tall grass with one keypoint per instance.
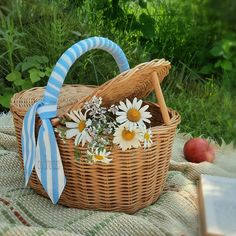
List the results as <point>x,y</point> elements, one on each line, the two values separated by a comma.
<point>206,108</point>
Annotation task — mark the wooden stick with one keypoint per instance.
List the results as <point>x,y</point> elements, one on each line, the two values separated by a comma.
<point>160,98</point>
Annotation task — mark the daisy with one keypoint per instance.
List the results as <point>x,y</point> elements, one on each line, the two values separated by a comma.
<point>78,128</point>
<point>132,115</point>
<point>100,156</point>
<point>147,138</point>
<point>126,139</point>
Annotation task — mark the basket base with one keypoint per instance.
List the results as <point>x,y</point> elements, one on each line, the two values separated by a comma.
<point>129,207</point>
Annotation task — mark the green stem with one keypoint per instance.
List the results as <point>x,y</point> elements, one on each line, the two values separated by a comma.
<point>10,53</point>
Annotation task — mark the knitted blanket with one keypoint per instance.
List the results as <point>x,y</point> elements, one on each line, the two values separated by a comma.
<point>23,212</point>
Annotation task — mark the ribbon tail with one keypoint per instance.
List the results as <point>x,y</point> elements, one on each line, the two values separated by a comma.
<point>28,141</point>
<point>48,164</point>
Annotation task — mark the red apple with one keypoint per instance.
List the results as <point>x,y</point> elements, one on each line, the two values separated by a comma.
<point>198,150</point>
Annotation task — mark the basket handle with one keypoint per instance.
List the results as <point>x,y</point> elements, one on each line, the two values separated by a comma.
<point>68,58</point>
<point>44,154</point>
<point>160,98</point>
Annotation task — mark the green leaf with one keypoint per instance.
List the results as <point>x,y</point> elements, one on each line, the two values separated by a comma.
<point>33,62</point>
<point>207,69</point>
<point>216,51</point>
<point>48,71</point>
<point>36,75</point>
<point>29,64</point>
<point>5,100</point>
<point>227,65</point>
<point>218,64</point>
<point>27,85</point>
<point>77,153</point>
<point>224,64</point>
<point>19,82</point>
<point>13,76</point>
<point>228,45</point>
<point>18,66</point>
<point>40,59</point>
<point>147,25</point>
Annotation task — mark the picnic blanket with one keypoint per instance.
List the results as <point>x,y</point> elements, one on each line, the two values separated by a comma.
<point>23,212</point>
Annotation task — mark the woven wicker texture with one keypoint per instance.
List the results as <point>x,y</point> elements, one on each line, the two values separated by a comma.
<point>70,94</point>
<point>135,178</point>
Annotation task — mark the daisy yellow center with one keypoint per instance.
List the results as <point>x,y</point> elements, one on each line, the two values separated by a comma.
<point>147,136</point>
<point>133,115</point>
<point>81,125</point>
<point>99,157</point>
<point>128,135</point>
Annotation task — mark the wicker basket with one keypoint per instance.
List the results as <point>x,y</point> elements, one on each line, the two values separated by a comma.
<point>135,178</point>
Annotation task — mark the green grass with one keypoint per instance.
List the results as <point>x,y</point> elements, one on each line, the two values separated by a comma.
<point>206,110</point>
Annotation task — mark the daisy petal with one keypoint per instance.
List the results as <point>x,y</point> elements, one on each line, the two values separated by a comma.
<point>120,113</point>
<point>88,122</point>
<point>146,120</point>
<point>71,133</point>
<point>80,114</point>
<point>121,119</point>
<point>123,107</point>
<point>128,103</point>
<point>76,139</point>
<point>106,160</point>
<point>115,140</point>
<point>146,114</point>
<point>136,144</point>
<point>88,137</point>
<point>135,102</point>
<point>139,104</point>
<point>141,124</point>
<point>73,117</point>
<point>79,139</point>
<point>144,108</point>
<point>71,125</point>
<point>132,126</point>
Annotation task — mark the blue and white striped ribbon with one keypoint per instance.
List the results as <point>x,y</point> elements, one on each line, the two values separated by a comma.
<point>44,154</point>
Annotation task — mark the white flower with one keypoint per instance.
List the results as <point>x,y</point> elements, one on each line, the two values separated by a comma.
<point>78,128</point>
<point>97,101</point>
<point>132,115</point>
<point>94,109</point>
<point>147,138</point>
<point>113,109</point>
<point>100,156</point>
<point>126,139</point>
<point>94,102</point>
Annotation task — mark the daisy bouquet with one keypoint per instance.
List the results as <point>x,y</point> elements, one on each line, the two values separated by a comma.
<point>126,125</point>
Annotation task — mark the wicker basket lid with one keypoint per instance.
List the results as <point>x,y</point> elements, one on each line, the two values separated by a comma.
<point>70,94</point>
<point>136,82</point>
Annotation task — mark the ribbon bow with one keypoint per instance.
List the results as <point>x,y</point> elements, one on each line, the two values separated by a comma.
<point>43,155</point>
